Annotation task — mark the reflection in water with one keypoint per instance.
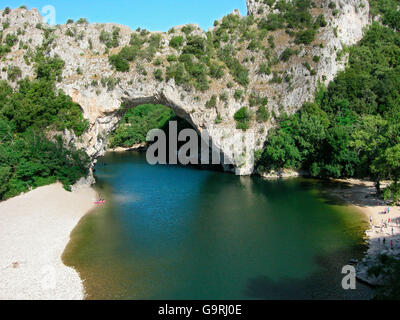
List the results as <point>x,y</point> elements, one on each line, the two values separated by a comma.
<point>170,232</point>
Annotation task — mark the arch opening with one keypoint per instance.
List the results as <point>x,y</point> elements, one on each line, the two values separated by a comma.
<point>139,116</point>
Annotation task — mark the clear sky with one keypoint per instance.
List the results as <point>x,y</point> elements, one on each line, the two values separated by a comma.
<point>154,15</point>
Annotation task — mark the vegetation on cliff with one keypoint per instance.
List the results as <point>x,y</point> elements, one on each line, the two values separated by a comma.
<point>137,122</point>
<point>29,115</point>
<point>352,129</point>
<point>196,60</point>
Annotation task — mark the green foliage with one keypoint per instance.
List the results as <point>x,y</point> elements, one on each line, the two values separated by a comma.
<point>137,122</point>
<point>305,36</point>
<point>195,45</point>
<point>240,73</point>
<point>27,158</point>
<point>13,73</point>
<point>47,68</point>
<point>286,54</point>
<point>242,118</point>
<point>111,40</point>
<point>109,83</point>
<point>256,100</point>
<point>352,129</point>
<point>188,29</point>
<point>82,21</point>
<point>176,42</point>
<point>238,94</point>
<point>216,70</point>
<point>158,75</point>
<point>11,39</point>
<point>119,63</point>
<point>262,114</point>
<point>37,104</point>
<point>212,103</point>
<point>264,69</point>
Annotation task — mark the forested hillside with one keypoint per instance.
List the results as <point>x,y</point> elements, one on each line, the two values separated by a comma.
<point>32,153</point>
<point>352,129</point>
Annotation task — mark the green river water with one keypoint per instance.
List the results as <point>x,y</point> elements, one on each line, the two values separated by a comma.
<point>173,232</point>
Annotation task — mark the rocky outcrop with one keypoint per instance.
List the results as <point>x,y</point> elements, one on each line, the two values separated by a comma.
<point>100,90</point>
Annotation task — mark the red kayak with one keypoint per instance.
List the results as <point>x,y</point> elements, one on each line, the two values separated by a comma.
<point>100,202</point>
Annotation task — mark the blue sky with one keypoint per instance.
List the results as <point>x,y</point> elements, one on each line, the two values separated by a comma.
<point>154,15</point>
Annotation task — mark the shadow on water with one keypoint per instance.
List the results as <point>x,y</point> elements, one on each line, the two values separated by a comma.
<point>313,287</point>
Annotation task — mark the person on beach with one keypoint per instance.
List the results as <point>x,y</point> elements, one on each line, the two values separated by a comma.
<point>391,245</point>
<point>384,240</point>
<point>392,231</point>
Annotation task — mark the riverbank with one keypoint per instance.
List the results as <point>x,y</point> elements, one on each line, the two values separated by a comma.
<point>135,147</point>
<point>362,195</point>
<point>34,230</point>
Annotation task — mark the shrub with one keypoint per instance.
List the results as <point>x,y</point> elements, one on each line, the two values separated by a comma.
<point>119,63</point>
<point>111,40</point>
<point>306,36</point>
<point>158,75</point>
<point>262,114</point>
<point>157,62</point>
<point>320,21</point>
<point>187,29</point>
<point>216,70</point>
<point>238,94</point>
<point>176,42</point>
<point>82,21</point>
<point>69,33</point>
<point>272,23</point>
<point>172,58</point>
<point>242,118</point>
<point>195,45</point>
<point>286,54</point>
<point>264,69</point>
<point>13,73</point>
<point>212,103</point>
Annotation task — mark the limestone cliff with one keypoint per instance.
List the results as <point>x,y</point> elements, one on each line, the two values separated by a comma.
<point>100,90</point>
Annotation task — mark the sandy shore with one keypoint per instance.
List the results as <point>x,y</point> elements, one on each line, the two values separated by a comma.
<point>362,194</point>
<point>34,231</point>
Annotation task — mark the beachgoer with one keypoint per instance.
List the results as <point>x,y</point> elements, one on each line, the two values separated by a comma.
<point>384,240</point>
<point>392,231</point>
<point>391,244</point>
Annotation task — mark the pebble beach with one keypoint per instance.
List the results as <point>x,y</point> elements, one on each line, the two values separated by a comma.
<point>34,230</point>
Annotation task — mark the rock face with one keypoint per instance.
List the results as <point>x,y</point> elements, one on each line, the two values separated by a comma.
<point>87,66</point>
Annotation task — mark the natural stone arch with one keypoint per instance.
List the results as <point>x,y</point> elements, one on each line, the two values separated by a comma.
<point>100,105</point>
<point>105,119</point>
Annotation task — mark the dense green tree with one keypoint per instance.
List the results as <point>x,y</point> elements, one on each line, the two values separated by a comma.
<point>137,122</point>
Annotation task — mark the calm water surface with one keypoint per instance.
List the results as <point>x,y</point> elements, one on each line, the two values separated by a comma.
<point>172,232</point>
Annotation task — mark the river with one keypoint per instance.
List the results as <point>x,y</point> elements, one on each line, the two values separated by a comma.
<point>174,232</point>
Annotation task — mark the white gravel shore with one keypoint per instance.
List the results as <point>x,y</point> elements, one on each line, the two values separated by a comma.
<point>34,230</point>
<point>362,194</point>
